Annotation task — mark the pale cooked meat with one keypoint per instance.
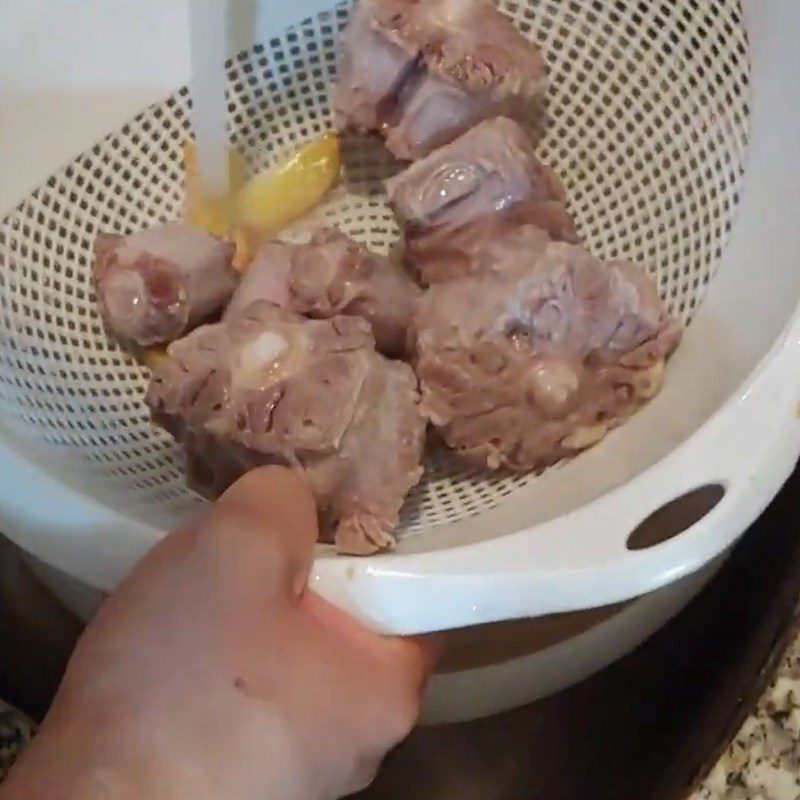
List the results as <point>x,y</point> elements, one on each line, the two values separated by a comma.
<point>478,189</point>
<point>332,275</point>
<point>490,168</point>
<point>156,285</point>
<point>379,459</point>
<point>442,253</point>
<point>372,72</point>
<point>421,72</point>
<point>268,386</point>
<point>432,111</point>
<point>267,278</point>
<point>526,367</point>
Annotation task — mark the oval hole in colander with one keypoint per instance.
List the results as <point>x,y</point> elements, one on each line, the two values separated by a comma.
<point>676,517</point>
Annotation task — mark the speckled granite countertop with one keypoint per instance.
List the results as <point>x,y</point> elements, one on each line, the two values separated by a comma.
<point>15,732</point>
<point>763,761</point>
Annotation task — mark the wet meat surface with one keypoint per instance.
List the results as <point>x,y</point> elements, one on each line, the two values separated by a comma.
<point>422,72</point>
<point>268,386</point>
<point>333,275</point>
<point>523,368</point>
<point>463,199</point>
<point>156,285</point>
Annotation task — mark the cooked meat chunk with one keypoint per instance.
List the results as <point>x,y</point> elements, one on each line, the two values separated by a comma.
<point>268,386</point>
<point>523,368</point>
<point>421,72</point>
<point>267,278</point>
<point>443,254</point>
<point>334,275</point>
<point>490,168</point>
<point>156,285</point>
<point>372,71</point>
<point>473,192</point>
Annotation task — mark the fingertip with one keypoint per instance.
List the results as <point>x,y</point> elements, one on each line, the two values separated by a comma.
<point>416,656</point>
<point>272,489</point>
<point>430,647</point>
<point>279,496</point>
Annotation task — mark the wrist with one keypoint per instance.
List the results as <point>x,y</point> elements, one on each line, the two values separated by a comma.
<point>95,752</point>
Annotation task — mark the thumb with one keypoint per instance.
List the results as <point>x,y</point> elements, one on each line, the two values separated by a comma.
<point>266,520</point>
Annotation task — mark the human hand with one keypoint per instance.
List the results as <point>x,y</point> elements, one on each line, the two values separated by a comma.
<point>214,673</point>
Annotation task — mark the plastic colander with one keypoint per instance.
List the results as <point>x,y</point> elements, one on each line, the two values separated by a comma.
<point>674,126</point>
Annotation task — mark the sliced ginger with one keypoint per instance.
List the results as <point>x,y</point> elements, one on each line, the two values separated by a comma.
<point>276,198</point>
<point>153,356</point>
<point>270,201</point>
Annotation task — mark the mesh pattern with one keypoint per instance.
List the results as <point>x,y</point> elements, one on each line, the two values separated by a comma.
<point>649,113</point>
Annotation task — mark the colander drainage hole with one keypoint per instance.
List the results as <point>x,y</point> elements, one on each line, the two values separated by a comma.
<point>676,517</point>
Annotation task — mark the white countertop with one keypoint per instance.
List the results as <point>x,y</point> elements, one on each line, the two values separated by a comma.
<point>73,70</point>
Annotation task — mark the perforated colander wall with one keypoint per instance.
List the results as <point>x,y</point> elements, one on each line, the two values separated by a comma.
<point>648,128</point>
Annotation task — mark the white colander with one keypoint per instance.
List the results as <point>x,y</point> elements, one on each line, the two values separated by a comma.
<point>675,127</point>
